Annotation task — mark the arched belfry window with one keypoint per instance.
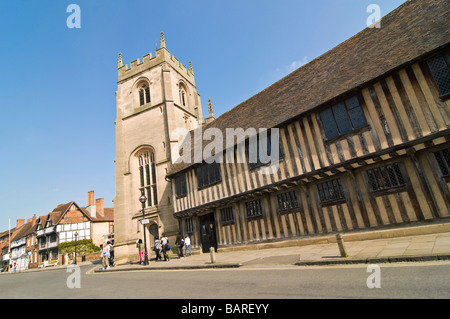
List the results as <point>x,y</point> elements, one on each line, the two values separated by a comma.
<point>144,94</point>
<point>147,178</point>
<point>183,95</point>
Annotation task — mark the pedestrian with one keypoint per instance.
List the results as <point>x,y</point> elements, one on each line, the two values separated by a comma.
<point>164,247</point>
<point>140,247</point>
<point>105,256</point>
<point>157,249</point>
<point>112,263</point>
<point>187,244</point>
<point>180,243</point>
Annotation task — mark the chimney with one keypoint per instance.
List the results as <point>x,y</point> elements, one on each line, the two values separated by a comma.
<point>91,204</point>
<point>20,222</point>
<point>99,203</point>
<point>32,220</point>
<point>90,198</point>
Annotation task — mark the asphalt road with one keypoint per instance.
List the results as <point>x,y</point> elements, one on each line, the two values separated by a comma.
<point>425,280</point>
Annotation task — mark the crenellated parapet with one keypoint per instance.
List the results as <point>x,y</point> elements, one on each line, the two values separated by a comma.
<point>162,55</point>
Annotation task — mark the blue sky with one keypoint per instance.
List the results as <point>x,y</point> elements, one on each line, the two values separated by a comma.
<point>57,86</point>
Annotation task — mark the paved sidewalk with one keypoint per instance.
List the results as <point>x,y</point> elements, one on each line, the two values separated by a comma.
<point>407,244</point>
<point>384,250</point>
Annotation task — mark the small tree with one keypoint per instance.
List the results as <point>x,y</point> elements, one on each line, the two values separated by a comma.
<point>84,247</point>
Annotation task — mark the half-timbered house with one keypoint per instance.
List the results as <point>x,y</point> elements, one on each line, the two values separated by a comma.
<point>364,140</point>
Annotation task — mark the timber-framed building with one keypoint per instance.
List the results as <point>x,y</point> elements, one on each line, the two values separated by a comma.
<point>364,133</point>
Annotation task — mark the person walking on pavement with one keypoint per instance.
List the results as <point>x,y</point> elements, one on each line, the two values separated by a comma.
<point>187,244</point>
<point>157,249</point>
<point>105,256</point>
<point>140,247</point>
<point>180,244</point>
<point>164,244</point>
<point>111,254</point>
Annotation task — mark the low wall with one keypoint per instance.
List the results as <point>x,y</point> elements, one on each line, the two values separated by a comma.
<point>87,257</point>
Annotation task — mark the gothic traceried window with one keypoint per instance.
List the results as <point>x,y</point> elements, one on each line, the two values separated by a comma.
<point>183,95</point>
<point>144,94</point>
<point>147,178</point>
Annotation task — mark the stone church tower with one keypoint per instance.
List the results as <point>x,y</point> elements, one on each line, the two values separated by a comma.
<point>156,99</point>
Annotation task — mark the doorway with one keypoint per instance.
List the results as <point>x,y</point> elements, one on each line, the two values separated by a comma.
<point>154,233</point>
<point>208,232</point>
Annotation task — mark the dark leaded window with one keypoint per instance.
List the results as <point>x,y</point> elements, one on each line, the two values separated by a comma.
<point>181,186</point>
<point>141,97</point>
<point>255,149</point>
<point>287,201</point>
<point>440,69</point>
<point>53,238</point>
<point>385,177</point>
<point>226,215</point>
<point>443,159</point>
<point>343,117</point>
<point>189,225</point>
<point>147,94</point>
<point>208,174</point>
<point>331,190</point>
<point>253,208</point>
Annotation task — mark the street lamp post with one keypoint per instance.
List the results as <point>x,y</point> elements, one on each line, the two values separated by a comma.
<point>76,235</point>
<point>142,199</point>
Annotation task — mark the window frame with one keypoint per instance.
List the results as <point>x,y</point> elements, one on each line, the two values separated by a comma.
<point>252,166</point>
<point>351,119</point>
<point>208,174</point>
<point>381,172</point>
<point>189,224</point>
<point>147,177</point>
<point>446,57</point>
<point>254,204</point>
<point>227,215</point>
<point>180,186</point>
<point>442,162</point>
<point>183,95</point>
<point>144,94</point>
<point>327,189</point>
<point>292,198</point>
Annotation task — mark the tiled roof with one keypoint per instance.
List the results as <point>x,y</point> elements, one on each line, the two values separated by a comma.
<point>409,32</point>
<point>42,220</point>
<point>25,230</point>
<point>108,215</point>
<point>63,207</point>
<point>6,232</point>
